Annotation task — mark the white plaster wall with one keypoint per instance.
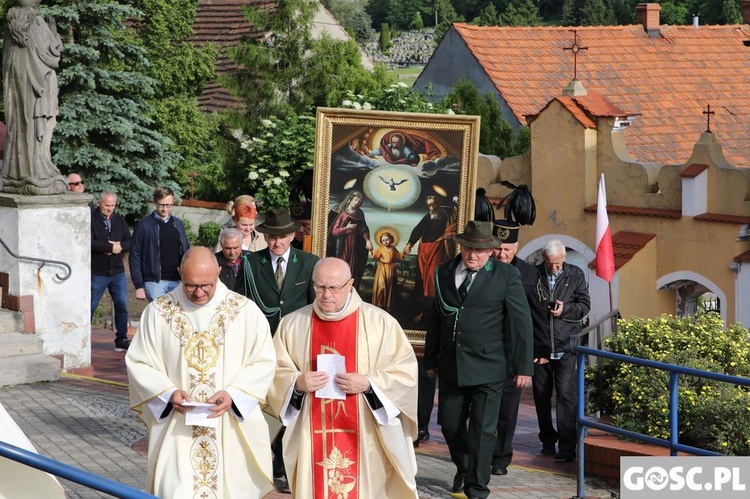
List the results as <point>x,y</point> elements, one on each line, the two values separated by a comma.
<point>197,216</point>
<point>57,228</point>
<point>695,195</point>
<point>742,294</point>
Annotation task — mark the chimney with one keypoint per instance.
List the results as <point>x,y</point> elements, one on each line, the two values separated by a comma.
<point>696,21</point>
<point>746,11</point>
<point>647,14</point>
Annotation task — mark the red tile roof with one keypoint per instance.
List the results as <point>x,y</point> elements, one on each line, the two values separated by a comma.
<point>625,245</point>
<point>633,210</point>
<point>224,23</point>
<point>586,108</point>
<point>217,98</point>
<point>719,217</point>
<point>669,79</point>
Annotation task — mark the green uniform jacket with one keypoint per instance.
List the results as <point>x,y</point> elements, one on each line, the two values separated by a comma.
<point>466,339</point>
<point>257,281</point>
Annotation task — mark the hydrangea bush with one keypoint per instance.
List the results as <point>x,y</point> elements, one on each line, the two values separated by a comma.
<point>276,155</point>
<point>712,415</point>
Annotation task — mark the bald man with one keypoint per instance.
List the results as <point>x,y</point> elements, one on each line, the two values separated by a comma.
<point>369,426</point>
<point>202,343</point>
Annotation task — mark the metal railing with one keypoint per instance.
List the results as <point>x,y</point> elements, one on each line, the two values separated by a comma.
<point>673,443</point>
<point>62,277</point>
<point>71,473</point>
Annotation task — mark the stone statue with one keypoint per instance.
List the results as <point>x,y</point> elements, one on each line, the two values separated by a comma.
<point>31,54</point>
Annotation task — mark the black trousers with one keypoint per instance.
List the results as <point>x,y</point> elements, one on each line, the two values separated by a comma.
<point>560,375</point>
<point>425,397</point>
<point>468,418</point>
<point>278,455</point>
<point>506,423</point>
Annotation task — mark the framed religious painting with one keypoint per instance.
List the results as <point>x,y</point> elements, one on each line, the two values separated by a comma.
<point>390,192</point>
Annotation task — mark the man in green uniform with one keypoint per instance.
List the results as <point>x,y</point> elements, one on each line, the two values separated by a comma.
<point>279,280</point>
<point>480,307</point>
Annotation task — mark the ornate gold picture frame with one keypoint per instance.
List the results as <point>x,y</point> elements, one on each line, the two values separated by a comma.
<point>390,192</point>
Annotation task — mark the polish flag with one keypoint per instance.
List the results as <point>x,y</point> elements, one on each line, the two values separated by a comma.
<point>605,258</point>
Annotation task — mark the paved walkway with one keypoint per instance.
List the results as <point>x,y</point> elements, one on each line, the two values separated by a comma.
<point>84,420</point>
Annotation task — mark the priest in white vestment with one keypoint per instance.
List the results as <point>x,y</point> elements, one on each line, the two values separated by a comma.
<point>203,343</point>
<point>361,444</point>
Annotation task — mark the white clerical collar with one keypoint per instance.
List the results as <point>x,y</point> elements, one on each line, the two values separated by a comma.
<point>333,315</point>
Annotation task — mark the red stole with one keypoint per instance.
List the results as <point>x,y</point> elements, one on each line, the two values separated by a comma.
<point>334,423</point>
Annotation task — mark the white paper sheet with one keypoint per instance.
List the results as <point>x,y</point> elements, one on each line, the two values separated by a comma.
<point>199,415</point>
<point>332,364</point>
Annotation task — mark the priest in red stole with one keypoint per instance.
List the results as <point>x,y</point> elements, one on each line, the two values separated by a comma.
<point>357,444</point>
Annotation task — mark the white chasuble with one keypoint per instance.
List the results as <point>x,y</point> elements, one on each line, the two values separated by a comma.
<point>223,345</point>
<point>384,461</point>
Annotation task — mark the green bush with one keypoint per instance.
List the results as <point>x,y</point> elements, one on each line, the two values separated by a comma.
<point>712,415</point>
<point>192,237</point>
<point>208,234</point>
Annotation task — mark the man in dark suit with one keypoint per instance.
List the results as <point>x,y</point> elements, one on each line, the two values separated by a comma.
<point>480,307</point>
<point>507,232</point>
<point>229,258</point>
<point>277,288</point>
<point>279,280</point>
<point>564,288</point>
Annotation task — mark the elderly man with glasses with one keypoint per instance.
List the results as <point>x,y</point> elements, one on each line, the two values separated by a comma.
<point>75,183</point>
<point>199,368</point>
<point>346,387</point>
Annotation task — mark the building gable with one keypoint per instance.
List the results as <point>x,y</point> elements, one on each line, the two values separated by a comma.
<point>668,78</point>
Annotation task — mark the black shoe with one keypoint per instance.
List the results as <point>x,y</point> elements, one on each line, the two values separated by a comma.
<point>498,469</point>
<point>560,458</point>
<point>281,484</point>
<point>549,450</point>
<point>424,435</point>
<point>122,345</point>
<point>458,482</point>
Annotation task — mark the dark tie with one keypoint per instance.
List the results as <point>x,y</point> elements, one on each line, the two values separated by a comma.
<point>279,271</point>
<point>463,289</point>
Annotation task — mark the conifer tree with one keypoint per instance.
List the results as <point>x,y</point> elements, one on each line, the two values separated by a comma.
<point>105,130</point>
<point>180,70</point>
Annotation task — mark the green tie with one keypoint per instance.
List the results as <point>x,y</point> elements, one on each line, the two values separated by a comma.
<point>279,271</point>
<point>463,289</point>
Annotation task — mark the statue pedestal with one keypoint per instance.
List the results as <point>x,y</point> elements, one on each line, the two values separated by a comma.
<point>56,227</point>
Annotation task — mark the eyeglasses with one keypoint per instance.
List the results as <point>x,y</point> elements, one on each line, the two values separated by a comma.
<point>192,288</point>
<point>164,205</point>
<point>76,183</point>
<point>333,289</point>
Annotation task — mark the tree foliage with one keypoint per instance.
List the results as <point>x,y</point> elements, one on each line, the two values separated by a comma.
<point>352,15</point>
<point>268,80</point>
<point>489,16</point>
<point>520,13</point>
<point>180,70</point>
<point>105,127</point>
<point>496,135</point>
<point>280,150</point>
<point>587,13</point>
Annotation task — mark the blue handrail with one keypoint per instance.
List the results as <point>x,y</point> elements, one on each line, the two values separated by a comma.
<point>71,473</point>
<point>672,444</point>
